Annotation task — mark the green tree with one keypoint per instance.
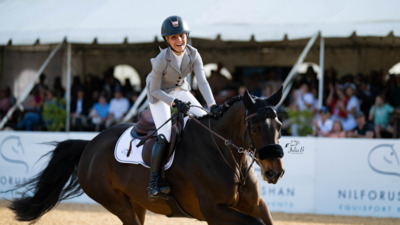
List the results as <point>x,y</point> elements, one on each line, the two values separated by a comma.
<point>303,119</point>
<point>54,114</point>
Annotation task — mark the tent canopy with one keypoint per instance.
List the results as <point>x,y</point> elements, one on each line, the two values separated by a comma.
<point>24,22</point>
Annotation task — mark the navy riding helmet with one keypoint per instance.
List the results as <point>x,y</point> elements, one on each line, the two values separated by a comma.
<point>174,25</point>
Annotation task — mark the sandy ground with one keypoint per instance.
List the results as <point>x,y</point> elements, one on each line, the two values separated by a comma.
<point>79,214</point>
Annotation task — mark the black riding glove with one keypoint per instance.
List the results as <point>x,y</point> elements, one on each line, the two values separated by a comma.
<point>216,110</point>
<point>181,106</point>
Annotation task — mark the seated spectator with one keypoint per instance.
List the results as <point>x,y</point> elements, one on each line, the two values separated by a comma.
<point>303,98</point>
<point>333,101</point>
<point>80,106</point>
<point>363,129</point>
<point>32,118</point>
<point>365,97</point>
<point>322,125</point>
<point>380,115</point>
<point>337,130</point>
<point>352,106</point>
<point>119,106</point>
<point>99,113</point>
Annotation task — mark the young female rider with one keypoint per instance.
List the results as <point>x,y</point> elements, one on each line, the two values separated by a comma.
<point>167,87</point>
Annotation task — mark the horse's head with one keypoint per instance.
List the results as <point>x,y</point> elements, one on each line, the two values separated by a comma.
<point>262,132</point>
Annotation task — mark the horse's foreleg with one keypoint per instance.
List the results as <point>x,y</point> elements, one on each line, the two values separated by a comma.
<point>261,211</point>
<point>226,215</point>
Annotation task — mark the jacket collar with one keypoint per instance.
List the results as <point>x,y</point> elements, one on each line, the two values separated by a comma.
<point>174,63</point>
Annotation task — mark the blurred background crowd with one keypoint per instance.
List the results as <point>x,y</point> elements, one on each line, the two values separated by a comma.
<point>354,105</point>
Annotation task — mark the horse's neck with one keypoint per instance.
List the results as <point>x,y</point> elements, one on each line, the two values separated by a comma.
<point>231,124</point>
<point>232,127</point>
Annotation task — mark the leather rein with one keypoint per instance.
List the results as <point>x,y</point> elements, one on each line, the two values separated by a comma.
<point>251,152</point>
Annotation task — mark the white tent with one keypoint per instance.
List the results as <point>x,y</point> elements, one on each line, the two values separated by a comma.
<point>23,22</point>
<point>49,23</point>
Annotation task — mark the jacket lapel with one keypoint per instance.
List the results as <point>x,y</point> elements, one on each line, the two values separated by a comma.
<point>185,63</point>
<point>174,62</point>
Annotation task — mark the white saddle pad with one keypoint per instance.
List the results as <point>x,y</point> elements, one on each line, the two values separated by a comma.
<point>122,147</point>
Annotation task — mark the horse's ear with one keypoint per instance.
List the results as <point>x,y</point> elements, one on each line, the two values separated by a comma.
<point>248,100</point>
<point>276,97</point>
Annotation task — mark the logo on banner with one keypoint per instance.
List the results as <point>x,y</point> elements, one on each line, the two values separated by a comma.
<point>12,151</point>
<point>383,159</point>
<point>294,147</point>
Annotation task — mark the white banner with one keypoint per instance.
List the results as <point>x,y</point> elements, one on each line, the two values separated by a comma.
<point>358,177</point>
<point>20,157</point>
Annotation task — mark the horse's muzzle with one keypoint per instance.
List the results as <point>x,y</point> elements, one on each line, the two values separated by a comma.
<point>271,176</point>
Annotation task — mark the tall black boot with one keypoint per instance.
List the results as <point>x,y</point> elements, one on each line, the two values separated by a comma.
<point>157,185</point>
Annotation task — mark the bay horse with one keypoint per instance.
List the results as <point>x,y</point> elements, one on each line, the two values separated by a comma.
<point>212,178</point>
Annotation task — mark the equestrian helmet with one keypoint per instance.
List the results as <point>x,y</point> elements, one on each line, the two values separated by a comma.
<point>174,25</point>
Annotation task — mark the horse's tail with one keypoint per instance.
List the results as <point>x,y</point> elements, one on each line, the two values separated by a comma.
<point>50,186</point>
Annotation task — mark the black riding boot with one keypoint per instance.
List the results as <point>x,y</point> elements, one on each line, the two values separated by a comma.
<point>157,185</point>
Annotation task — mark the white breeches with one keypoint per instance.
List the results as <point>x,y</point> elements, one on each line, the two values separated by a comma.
<point>161,111</point>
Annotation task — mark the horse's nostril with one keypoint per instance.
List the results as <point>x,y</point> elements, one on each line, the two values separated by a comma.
<point>270,174</point>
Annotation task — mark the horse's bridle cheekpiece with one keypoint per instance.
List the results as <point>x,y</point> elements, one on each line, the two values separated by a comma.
<point>269,151</point>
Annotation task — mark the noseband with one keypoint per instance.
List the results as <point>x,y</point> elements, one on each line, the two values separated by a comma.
<point>271,150</point>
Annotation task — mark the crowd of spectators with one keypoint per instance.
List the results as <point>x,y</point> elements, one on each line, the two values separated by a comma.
<point>95,104</point>
<point>353,105</point>
<point>361,105</point>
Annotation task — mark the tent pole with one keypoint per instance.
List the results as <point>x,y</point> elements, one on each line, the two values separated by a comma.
<point>321,72</point>
<point>68,96</point>
<point>287,84</point>
<point>28,89</point>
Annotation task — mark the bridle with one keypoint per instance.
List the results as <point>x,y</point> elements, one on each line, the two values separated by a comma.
<point>274,150</point>
<point>271,150</point>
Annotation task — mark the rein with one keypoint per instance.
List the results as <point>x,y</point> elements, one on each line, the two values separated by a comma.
<point>251,152</point>
<point>226,141</point>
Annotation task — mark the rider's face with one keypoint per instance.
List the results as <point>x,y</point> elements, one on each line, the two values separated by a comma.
<point>177,42</point>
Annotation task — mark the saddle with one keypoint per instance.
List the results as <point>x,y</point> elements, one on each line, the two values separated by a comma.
<point>145,130</point>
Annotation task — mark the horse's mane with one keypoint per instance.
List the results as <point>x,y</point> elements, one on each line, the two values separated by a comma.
<point>225,106</point>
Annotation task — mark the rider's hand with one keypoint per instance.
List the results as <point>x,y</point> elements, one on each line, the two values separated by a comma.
<point>181,106</point>
<point>216,110</point>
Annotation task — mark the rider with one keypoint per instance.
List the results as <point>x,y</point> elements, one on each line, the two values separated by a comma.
<point>167,87</point>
